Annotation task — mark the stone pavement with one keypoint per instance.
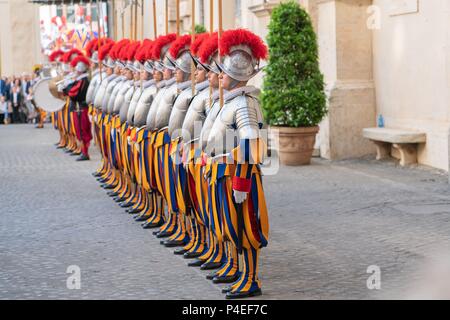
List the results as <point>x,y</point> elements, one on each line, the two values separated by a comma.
<point>329,222</point>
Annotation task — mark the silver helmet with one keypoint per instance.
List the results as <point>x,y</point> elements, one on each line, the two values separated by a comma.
<point>149,66</point>
<point>94,57</point>
<point>108,62</point>
<point>184,61</point>
<point>240,64</point>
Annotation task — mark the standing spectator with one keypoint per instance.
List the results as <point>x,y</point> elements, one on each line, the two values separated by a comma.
<point>2,87</point>
<point>7,89</point>
<point>26,94</point>
<point>16,100</point>
<point>4,112</point>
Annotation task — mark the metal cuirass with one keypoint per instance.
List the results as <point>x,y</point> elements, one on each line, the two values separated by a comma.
<point>110,94</point>
<point>125,106</point>
<point>139,116</point>
<point>179,111</point>
<point>97,86</point>
<point>165,107</point>
<point>209,121</point>
<point>91,88</point>
<point>240,118</point>
<point>101,91</point>
<point>118,96</point>
<point>151,116</point>
<point>196,115</point>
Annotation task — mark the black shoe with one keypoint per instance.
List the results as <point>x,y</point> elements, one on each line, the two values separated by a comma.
<point>75,154</point>
<point>190,255</point>
<point>226,279</point>
<point>180,252</point>
<point>135,211</point>
<point>96,174</point>
<point>242,295</point>
<point>119,200</point>
<point>227,289</point>
<point>211,275</point>
<point>151,225</point>
<point>68,151</point>
<point>126,205</point>
<point>155,233</point>
<point>164,234</point>
<point>83,157</point>
<point>174,243</point>
<point>196,263</point>
<point>108,186</point>
<point>211,266</point>
<point>141,218</point>
<point>112,194</point>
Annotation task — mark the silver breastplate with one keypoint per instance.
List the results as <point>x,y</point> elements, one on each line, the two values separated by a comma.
<point>117,97</point>
<point>133,105</point>
<point>195,117</point>
<point>143,106</point>
<point>151,117</point>
<point>165,107</point>
<point>91,89</point>
<point>240,118</point>
<point>101,91</point>
<point>124,108</point>
<point>207,125</point>
<point>179,110</point>
<point>110,94</point>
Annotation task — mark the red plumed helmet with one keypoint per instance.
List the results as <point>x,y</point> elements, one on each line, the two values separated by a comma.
<point>105,50</point>
<point>149,51</point>
<point>199,39</point>
<point>70,55</point>
<point>160,43</point>
<point>79,59</point>
<point>179,44</point>
<point>208,48</point>
<point>114,54</point>
<point>141,53</point>
<point>90,47</point>
<point>131,51</point>
<point>54,55</point>
<point>232,38</point>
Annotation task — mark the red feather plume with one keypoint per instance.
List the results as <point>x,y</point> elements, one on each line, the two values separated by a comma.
<point>179,44</point>
<point>141,53</point>
<point>78,59</point>
<point>208,48</point>
<point>232,38</point>
<point>115,51</point>
<point>160,43</point>
<point>199,39</point>
<point>105,50</point>
<point>55,54</point>
<point>69,55</point>
<point>131,51</point>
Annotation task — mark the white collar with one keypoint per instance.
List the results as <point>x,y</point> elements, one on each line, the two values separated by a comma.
<point>238,92</point>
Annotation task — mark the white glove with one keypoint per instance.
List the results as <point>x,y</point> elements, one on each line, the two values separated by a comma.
<point>239,196</point>
<point>60,87</point>
<point>129,140</point>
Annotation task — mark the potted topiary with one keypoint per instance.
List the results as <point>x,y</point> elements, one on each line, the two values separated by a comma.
<point>293,97</point>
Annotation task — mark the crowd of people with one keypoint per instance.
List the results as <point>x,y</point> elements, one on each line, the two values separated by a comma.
<point>16,99</point>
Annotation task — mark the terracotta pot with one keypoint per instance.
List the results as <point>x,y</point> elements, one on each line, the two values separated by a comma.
<point>296,145</point>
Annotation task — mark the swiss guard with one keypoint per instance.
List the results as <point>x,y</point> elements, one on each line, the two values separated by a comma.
<point>236,149</point>
<point>76,91</point>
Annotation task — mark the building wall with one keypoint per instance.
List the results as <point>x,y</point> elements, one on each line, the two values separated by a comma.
<point>411,68</point>
<point>19,30</point>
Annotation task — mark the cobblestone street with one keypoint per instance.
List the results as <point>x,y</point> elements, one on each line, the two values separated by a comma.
<point>329,222</point>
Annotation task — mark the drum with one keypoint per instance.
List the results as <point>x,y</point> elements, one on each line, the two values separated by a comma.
<point>44,99</point>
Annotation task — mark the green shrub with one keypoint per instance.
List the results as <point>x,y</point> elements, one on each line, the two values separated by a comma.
<point>293,91</point>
